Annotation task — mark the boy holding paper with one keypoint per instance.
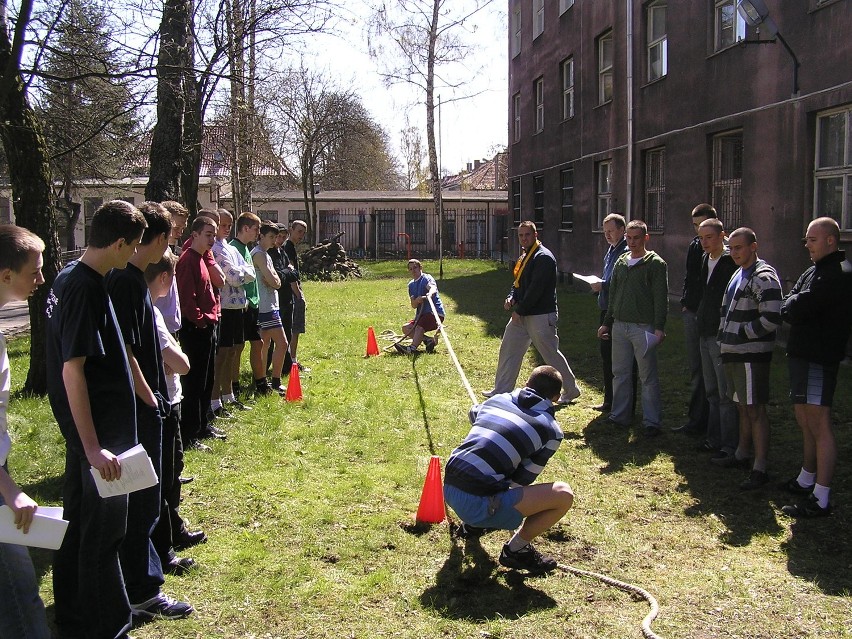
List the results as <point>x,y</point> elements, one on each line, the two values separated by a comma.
<point>21,609</point>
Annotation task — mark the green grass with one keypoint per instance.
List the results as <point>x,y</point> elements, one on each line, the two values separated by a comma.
<point>309,505</point>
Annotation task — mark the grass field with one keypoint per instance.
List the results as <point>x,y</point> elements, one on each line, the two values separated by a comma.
<point>309,505</point>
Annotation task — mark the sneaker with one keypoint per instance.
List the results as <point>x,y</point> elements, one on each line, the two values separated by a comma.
<point>756,479</point>
<point>178,566</point>
<point>404,350</point>
<point>430,344</point>
<point>567,398</point>
<point>489,393</point>
<point>196,444</point>
<point>527,558</point>
<point>651,431</point>
<point>793,486</point>
<point>706,447</point>
<point>466,531</point>
<point>264,389</point>
<point>161,606</point>
<point>223,413</point>
<point>302,368</point>
<point>807,509</point>
<point>238,405</point>
<point>609,419</point>
<point>725,459</point>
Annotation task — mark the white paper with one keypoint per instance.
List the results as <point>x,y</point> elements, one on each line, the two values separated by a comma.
<point>137,473</point>
<point>651,341</point>
<point>588,279</point>
<point>46,530</point>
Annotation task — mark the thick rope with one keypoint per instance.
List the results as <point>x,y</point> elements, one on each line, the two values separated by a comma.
<point>452,352</point>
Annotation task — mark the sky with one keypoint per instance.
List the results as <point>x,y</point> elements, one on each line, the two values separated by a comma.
<point>471,128</point>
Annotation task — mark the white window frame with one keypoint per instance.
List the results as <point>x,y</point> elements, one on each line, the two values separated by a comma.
<point>603,188</point>
<point>566,199</point>
<point>516,31</point>
<point>516,200</point>
<point>738,25</point>
<point>838,173</point>
<point>605,67</point>
<point>564,5</point>
<point>567,73</point>
<point>516,116</point>
<point>538,18</point>
<point>538,201</point>
<point>538,88</point>
<point>657,43</point>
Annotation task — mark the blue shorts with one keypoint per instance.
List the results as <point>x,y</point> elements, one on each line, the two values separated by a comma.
<point>812,383</point>
<point>266,321</point>
<point>490,511</point>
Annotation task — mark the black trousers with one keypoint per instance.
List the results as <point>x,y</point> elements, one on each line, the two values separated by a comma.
<point>199,345</point>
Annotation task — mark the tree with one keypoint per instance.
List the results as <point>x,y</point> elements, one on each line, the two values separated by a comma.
<point>412,157</point>
<point>361,161</point>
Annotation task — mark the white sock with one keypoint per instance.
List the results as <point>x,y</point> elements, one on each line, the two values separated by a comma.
<point>821,493</point>
<point>806,479</point>
<point>215,403</point>
<point>228,399</point>
<point>517,542</point>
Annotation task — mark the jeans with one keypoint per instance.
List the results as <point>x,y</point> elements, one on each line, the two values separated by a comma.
<point>606,359</point>
<point>540,331</point>
<point>21,609</point>
<point>698,408</point>
<point>628,343</point>
<point>88,587</point>
<point>723,418</point>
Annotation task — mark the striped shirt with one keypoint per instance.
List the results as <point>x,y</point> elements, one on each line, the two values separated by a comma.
<point>751,315</point>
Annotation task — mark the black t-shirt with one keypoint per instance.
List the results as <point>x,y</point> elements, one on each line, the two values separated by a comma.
<point>135,313</point>
<point>81,323</point>
<point>281,264</point>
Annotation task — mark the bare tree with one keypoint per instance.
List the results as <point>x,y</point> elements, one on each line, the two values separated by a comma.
<point>412,156</point>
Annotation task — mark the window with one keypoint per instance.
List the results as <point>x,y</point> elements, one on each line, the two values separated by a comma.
<point>538,87</point>
<point>655,189</point>
<point>294,215</point>
<point>728,178</point>
<point>5,211</point>
<point>450,230</point>
<point>604,189</point>
<point>516,201</point>
<point>658,59</point>
<point>329,223</point>
<point>272,216</point>
<point>538,201</point>
<point>567,88</point>
<point>730,26</point>
<point>605,68</point>
<point>516,31</point>
<point>475,244</point>
<point>833,167</point>
<point>385,227</point>
<point>566,182</point>
<point>415,226</point>
<point>538,18</point>
<point>564,5</point>
<point>516,116</point>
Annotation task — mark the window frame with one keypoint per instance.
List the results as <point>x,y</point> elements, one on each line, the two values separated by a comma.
<point>538,92</point>
<point>538,201</point>
<point>605,71</point>
<point>739,25</point>
<point>566,192</point>
<point>415,225</point>
<point>564,5</point>
<point>386,219</point>
<point>726,190</point>
<point>603,198</point>
<point>516,31</point>
<point>659,42</point>
<point>515,186</point>
<point>567,89</point>
<point>516,107</point>
<point>654,185</point>
<point>834,172</point>
<point>538,18</point>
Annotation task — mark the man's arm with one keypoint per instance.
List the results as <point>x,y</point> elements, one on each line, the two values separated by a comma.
<point>77,389</point>
<point>143,391</point>
<point>531,467</point>
<point>261,264</point>
<point>217,277</point>
<point>235,273</point>
<point>174,357</point>
<point>768,307</point>
<point>660,292</point>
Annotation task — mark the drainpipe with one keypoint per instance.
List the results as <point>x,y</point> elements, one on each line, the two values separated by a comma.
<point>629,198</point>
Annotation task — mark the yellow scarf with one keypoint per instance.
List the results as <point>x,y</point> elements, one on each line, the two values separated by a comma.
<point>522,263</point>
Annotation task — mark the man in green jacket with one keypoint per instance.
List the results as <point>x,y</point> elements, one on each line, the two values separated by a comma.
<point>634,321</point>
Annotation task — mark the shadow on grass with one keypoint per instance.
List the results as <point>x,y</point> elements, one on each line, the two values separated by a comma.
<point>819,550</point>
<point>469,587</point>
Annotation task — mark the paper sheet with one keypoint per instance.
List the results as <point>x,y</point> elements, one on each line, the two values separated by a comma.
<point>588,279</point>
<point>137,472</point>
<point>46,531</point>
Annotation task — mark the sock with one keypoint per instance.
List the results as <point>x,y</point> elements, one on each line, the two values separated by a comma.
<point>261,383</point>
<point>276,382</point>
<point>821,493</point>
<point>759,465</point>
<point>215,403</point>
<point>235,387</point>
<point>228,399</point>
<point>806,479</point>
<point>517,542</point>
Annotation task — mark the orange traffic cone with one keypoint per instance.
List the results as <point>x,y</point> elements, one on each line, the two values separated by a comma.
<point>431,509</point>
<point>372,346</point>
<point>294,386</point>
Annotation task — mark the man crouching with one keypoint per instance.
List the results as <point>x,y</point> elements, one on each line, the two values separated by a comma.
<point>488,477</point>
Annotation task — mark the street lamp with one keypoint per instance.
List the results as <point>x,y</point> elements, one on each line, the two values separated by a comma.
<point>755,13</point>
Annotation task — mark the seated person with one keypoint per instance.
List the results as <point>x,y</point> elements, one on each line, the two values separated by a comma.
<point>420,288</point>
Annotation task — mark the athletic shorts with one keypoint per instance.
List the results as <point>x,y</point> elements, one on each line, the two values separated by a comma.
<point>427,321</point>
<point>812,383</point>
<point>491,511</point>
<point>250,332</point>
<point>298,326</point>
<point>231,329</point>
<point>748,382</point>
<point>266,321</point>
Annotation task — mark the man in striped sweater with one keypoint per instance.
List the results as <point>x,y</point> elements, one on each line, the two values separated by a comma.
<point>751,315</point>
<point>489,477</point>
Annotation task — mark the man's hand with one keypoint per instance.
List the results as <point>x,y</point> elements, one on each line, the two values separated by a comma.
<point>508,304</point>
<point>516,318</point>
<point>106,463</point>
<point>661,335</point>
<point>596,287</point>
<point>603,332</point>
<point>24,509</point>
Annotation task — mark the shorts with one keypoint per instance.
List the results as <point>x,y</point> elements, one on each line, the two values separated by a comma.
<point>250,332</point>
<point>812,383</point>
<point>748,382</point>
<point>427,321</point>
<point>231,330</point>
<point>298,325</point>
<point>270,320</point>
<point>486,511</point>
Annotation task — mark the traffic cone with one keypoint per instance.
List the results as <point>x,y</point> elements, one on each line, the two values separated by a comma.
<point>294,386</point>
<point>372,345</point>
<point>431,509</point>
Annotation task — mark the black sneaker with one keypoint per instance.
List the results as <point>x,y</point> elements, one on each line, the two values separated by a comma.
<point>466,531</point>
<point>222,413</point>
<point>756,479</point>
<point>430,344</point>
<point>807,509</point>
<point>527,558</point>
<point>729,460</point>
<point>793,486</point>
<point>404,350</point>
<point>161,606</point>
<point>237,404</point>
<point>651,431</point>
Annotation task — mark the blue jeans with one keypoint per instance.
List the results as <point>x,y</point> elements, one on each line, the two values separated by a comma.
<point>628,342</point>
<point>21,609</point>
<point>723,421</point>
<point>698,408</point>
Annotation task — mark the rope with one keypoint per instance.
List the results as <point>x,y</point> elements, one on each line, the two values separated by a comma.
<point>452,353</point>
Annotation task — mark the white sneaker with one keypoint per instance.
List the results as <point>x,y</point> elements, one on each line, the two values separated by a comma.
<point>567,398</point>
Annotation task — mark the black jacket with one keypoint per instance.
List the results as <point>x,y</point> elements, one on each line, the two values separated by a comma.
<point>692,282</point>
<point>536,294</point>
<point>709,313</point>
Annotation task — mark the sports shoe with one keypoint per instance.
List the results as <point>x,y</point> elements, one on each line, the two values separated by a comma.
<point>223,413</point>
<point>793,486</point>
<point>302,368</point>
<point>161,606</point>
<point>196,444</point>
<point>238,405</point>
<point>651,431</point>
<point>178,566</point>
<point>725,459</point>
<point>430,344</point>
<point>404,350</point>
<point>807,509</point>
<point>466,531</point>
<point>567,398</point>
<point>756,479</point>
<point>527,558</point>
<point>489,393</point>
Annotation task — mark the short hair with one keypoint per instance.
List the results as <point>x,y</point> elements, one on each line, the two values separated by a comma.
<point>283,228</point>
<point>247,219</point>
<point>159,221</point>
<point>638,224</point>
<point>713,222</point>
<point>200,222</point>
<point>267,227</point>
<point>166,264</point>
<point>704,210</point>
<point>750,236</point>
<point>301,223</point>
<point>618,218</point>
<point>213,215</point>
<point>528,224</point>
<point>175,209</point>
<point>830,225</point>
<point>545,381</point>
<point>225,212</point>
<point>413,261</point>
<point>16,244</point>
<point>116,220</point>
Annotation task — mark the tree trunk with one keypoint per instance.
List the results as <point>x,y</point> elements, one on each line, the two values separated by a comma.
<point>434,169</point>
<point>193,129</point>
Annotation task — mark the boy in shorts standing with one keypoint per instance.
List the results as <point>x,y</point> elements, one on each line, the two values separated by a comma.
<point>268,315</point>
<point>488,478</point>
